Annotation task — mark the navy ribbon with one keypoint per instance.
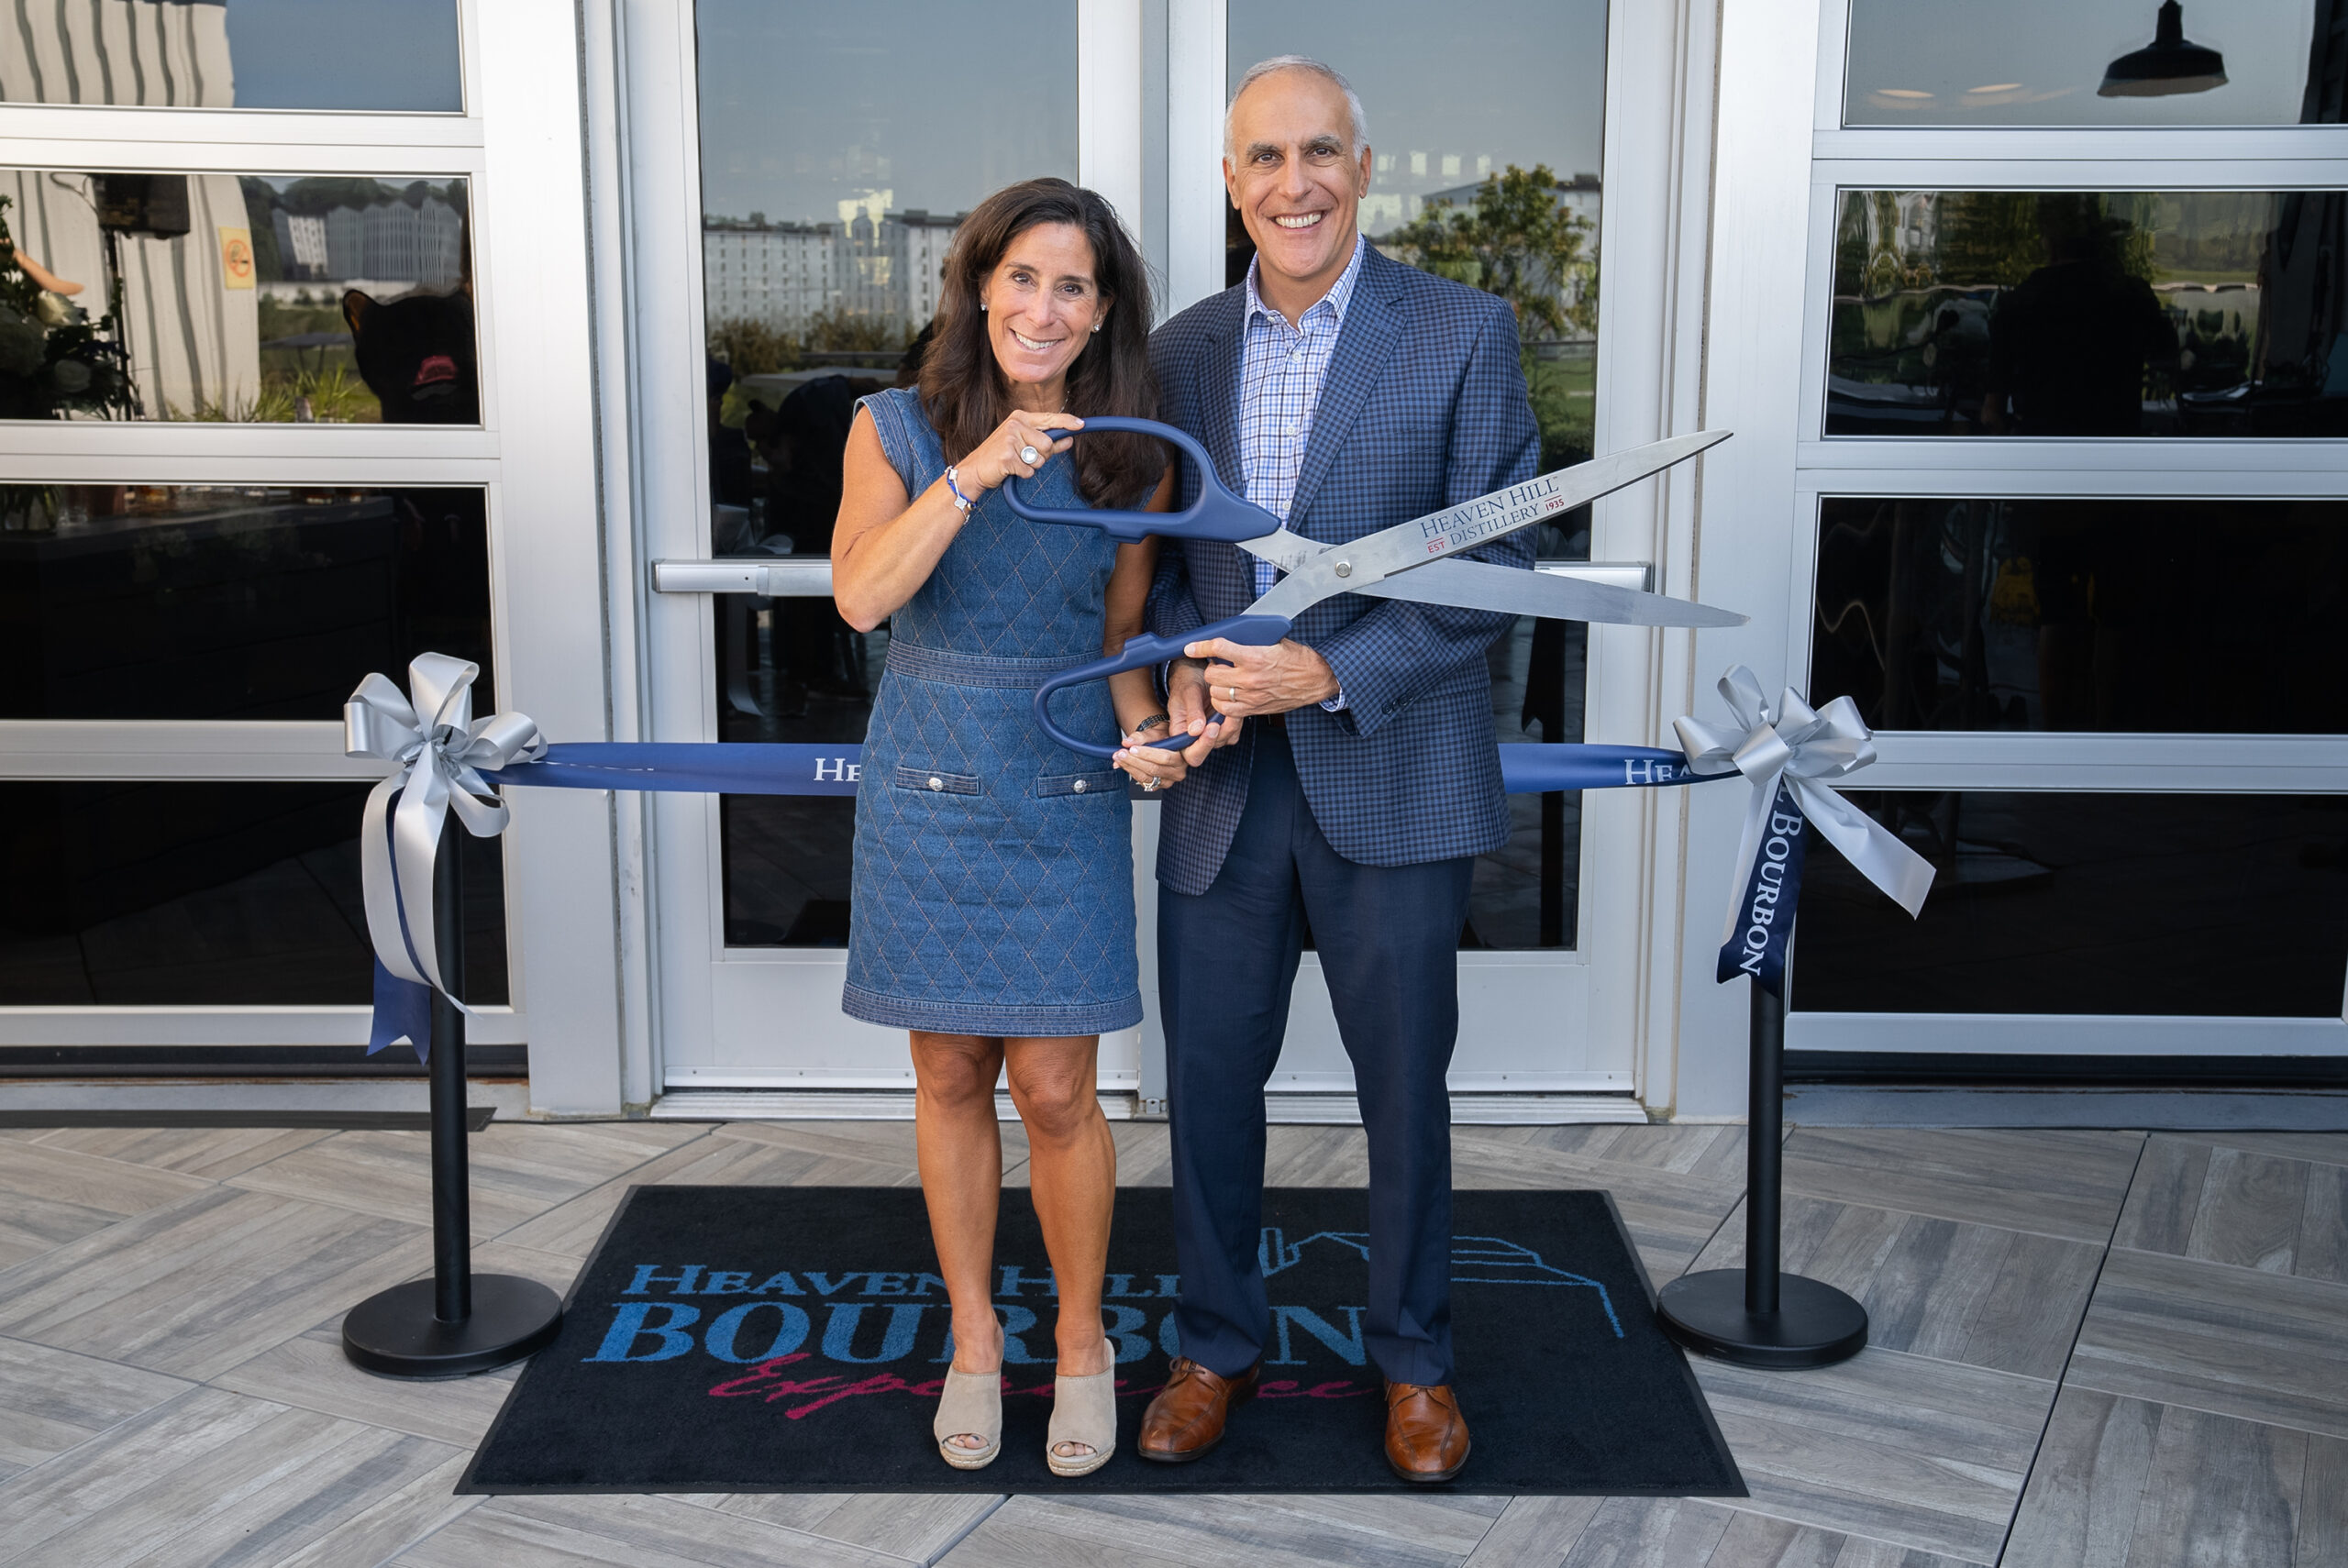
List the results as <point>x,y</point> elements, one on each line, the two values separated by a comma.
<point>403,1008</point>
<point>1764,923</point>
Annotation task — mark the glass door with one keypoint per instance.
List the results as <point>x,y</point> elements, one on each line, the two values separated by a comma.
<point>813,235</point>
<point>1488,166</point>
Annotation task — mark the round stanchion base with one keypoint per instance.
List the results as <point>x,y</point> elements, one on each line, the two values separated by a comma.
<point>1815,1324</point>
<point>395,1334</point>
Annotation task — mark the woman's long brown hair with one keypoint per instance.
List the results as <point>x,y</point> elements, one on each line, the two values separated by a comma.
<point>964,390</point>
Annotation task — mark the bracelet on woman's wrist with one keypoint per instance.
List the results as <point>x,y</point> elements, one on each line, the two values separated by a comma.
<point>962,504</point>
<point>1152,719</point>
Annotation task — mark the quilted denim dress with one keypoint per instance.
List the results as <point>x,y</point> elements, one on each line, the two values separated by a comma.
<point>993,892</point>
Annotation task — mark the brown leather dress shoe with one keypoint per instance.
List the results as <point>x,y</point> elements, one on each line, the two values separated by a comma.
<point>1186,1417</point>
<point>1427,1436</point>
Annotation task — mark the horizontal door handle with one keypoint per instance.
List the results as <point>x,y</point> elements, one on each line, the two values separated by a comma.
<point>786,577</point>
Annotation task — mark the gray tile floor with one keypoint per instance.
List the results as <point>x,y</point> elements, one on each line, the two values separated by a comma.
<point>2105,1348</point>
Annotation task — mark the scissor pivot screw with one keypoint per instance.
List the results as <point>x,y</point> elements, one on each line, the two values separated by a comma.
<point>1345,568</point>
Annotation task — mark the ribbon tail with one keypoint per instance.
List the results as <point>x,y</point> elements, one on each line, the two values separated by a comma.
<point>1903,876</point>
<point>379,884</point>
<point>417,826</point>
<point>403,1011</point>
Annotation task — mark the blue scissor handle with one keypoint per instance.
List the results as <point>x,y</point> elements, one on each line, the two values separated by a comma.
<point>1217,514</point>
<point>1140,653</point>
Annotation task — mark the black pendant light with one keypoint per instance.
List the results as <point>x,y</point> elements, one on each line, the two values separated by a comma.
<point>2168,64</point>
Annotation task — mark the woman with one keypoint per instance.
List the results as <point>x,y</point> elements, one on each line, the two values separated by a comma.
<point>993,913</point>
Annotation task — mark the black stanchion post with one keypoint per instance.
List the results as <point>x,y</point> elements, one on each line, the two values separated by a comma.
<point>1760,1316</point>
<point>456,1323</point>
<point>452,1218</point>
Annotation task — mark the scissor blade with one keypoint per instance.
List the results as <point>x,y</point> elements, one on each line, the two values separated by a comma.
<point>1481,585</point>
<point>1478,522</point>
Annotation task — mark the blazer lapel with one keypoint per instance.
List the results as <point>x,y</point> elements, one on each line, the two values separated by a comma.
<point>1219,399</point>
<point>1364,348</point>
<point>1220,395</point>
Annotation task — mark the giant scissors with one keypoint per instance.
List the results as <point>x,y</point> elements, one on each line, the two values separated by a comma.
<point>1410,560</point>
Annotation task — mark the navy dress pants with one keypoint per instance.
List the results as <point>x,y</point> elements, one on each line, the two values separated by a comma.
<point>1388,938</point>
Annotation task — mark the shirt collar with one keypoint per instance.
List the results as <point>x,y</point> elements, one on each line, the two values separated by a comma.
<point>1339,293</point>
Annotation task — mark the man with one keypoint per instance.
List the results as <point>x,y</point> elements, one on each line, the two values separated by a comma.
<point>1351,778</point>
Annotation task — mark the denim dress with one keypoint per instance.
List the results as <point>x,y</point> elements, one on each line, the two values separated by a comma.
<point>994,889</point>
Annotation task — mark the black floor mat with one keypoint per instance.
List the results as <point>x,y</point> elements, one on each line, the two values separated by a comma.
<point>790,1339</point>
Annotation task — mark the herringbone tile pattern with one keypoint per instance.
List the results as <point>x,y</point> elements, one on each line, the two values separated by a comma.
<point>2090,1348</point>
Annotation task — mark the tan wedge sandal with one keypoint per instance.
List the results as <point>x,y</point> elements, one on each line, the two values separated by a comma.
<point>1084,1410</point>
<point>971,1406</point>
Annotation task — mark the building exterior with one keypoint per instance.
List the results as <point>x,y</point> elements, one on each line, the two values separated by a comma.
<point>2040,404</point>
<point>782,275</point>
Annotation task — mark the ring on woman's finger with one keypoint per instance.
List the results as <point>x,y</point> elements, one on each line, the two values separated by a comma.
<point>1029,455</point>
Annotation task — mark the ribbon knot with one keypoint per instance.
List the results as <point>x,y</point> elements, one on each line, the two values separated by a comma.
<point>442,751</point>
<point>1790,753</point>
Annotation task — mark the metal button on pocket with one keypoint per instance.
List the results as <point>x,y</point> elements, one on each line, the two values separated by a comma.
<point>1077,786</point>
<point>936,783</point>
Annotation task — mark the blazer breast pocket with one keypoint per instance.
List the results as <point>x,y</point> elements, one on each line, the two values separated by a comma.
<point>936,782</point>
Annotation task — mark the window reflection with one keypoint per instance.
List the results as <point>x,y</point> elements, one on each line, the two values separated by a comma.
<point>2208,905</point>
<point>826,213</point>
<point>380,55</point>
<point>2159,617</point>
<point>286,299</point>
<point>232,601</point>
<point>2090,62</point>
<point>205,894</point>
<point>1486,123</point>
<point>2084,314</point>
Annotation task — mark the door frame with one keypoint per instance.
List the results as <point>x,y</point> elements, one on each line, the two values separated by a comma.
<point>645,173</point>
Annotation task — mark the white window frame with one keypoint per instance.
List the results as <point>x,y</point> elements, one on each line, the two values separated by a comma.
<point>534,456</point>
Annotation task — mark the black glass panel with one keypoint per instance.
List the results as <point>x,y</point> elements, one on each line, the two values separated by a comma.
<point>380,55</point>
<point>232,601</point>
<point>187,894</point>
<point>2207,905</point>
<point>270,298</point>
<point>2208,616</point>
<point>2087,313</point>
<point>2096,62</point>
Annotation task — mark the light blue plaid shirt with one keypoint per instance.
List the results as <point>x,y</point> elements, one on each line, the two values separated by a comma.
<point>1281,371</point>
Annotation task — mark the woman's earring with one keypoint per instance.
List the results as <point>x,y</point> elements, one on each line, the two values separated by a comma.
<point>1096,327</point>
<point>983,305</point>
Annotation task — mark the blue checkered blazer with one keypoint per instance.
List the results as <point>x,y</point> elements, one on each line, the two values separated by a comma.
<point>1424,407</point>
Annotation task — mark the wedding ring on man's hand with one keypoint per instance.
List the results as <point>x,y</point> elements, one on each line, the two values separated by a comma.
<point>1152,784</point>
<point>1029,455</point>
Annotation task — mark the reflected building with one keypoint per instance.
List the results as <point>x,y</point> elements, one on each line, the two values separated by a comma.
<point>873,264</point>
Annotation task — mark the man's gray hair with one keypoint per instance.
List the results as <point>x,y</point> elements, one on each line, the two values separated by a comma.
<point>1328,74</point>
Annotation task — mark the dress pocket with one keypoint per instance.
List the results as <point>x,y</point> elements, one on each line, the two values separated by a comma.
<point>936,783</point>
<point>1106,782</point>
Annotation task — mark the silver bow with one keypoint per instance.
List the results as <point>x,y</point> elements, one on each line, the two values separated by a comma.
<point>442,750</point>
<point>1802,746</point>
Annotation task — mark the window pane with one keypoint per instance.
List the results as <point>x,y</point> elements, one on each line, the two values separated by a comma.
<point>1487,171</point>
<point>161,895</point>
<point>1457,126</point>
<point>2208,905</point>
<point>826,214</point>
<point>232,601</point>
<point>384,55</point>
<point>2080,313</point>
<point>275,298</point>
<point>2225,616</point>
<point>2095,62</point>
